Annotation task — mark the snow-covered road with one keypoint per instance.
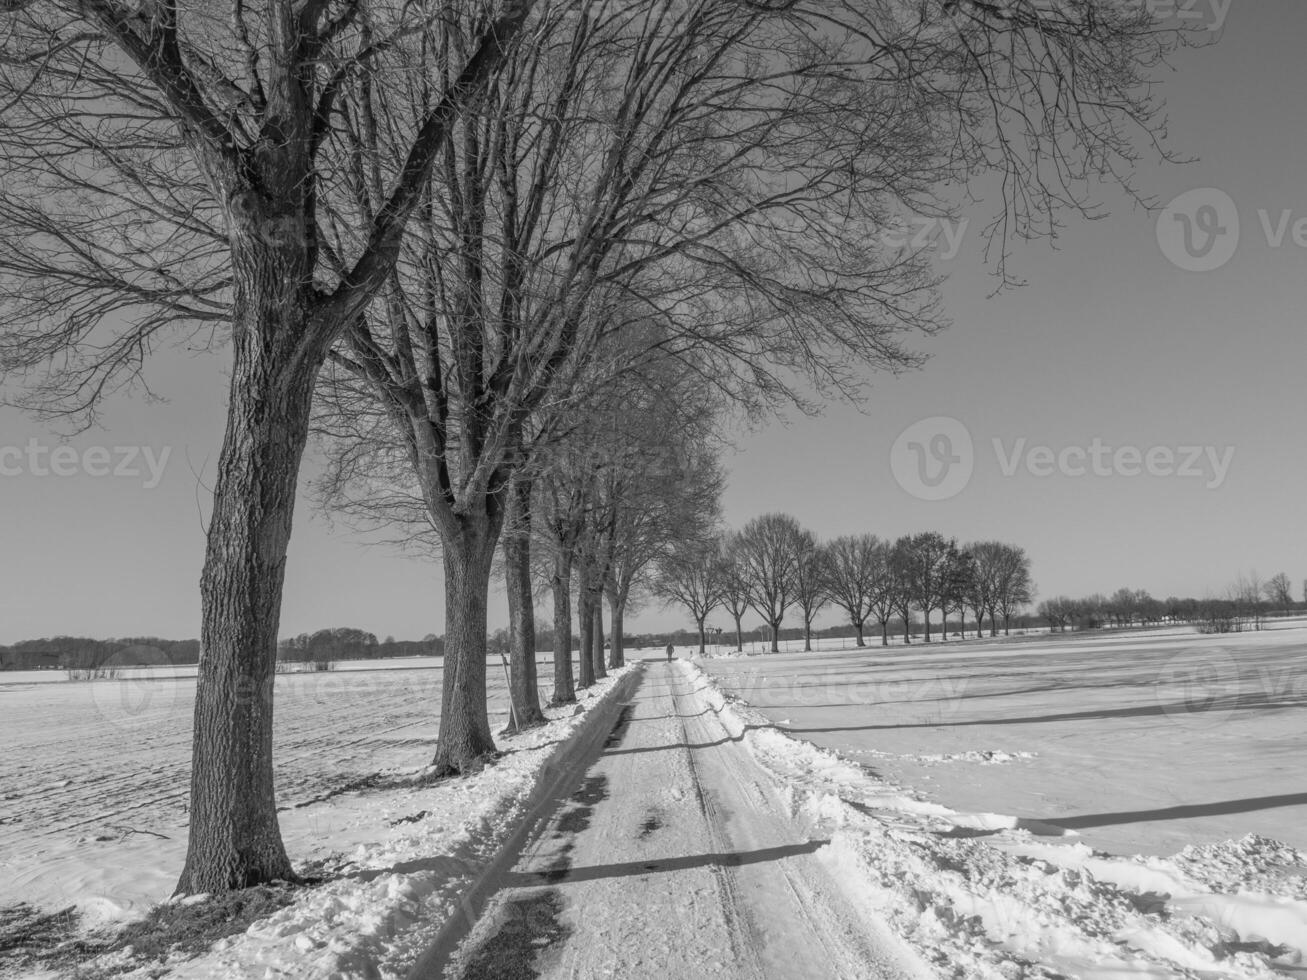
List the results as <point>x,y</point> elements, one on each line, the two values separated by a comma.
<point>668,853</point>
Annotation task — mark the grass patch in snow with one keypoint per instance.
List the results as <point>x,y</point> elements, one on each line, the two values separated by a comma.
<point>31,940</point>
<point>190,927</point>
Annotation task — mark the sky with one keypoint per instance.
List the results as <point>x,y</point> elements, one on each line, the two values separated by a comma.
<point>1132,416</point>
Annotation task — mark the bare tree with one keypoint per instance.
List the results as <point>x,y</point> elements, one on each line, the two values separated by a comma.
<point>735,587</point>
<point>987,562</point>
<point>162,169</point>
<point>1279,590</point>
<point>1013,586</point>
<point>856,565</point>
<point>926,563</point>
<point>889,597</point>
<point>811,582</point>
<point>659,482</point>
<point>768,549</point>
<point>691,577</point>
<point>958,586</point>
<point>666,498</point>
<point>1248,592</point>
<point>524,687</point>
<point>902,597</point>
<point>563,497</point>
<point>1057,611</point>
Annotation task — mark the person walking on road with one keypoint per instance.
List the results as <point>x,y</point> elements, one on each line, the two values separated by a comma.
<point>670,648</point>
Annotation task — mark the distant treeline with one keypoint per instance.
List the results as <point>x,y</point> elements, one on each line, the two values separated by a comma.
<point>347,643</point>
<point>1245,605</point>
<point>83,653</point>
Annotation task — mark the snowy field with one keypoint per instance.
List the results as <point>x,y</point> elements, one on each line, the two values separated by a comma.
<point>984,896</point>
<point>1139,742</point>
<point>982,799</point>
<point>94,774</point>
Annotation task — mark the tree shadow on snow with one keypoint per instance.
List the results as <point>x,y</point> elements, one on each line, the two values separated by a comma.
<point>1247,702</point>
<point>625,869</point>
<point>1221,807</point>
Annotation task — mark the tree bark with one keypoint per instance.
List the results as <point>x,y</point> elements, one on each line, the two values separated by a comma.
<point>807,637</point>
<point>598,664</point>
<point>464,741</point>
<point>524,686</point>
<point>775,637</point>
<point>564,683</point>
<point>926,617</point>
<point>617,617</point>
<point>703,636</point>
<point>884,632</point>
<point>234,840</point>
<point>586,624</point>
<point>739,634</point>
<point>862,642</point>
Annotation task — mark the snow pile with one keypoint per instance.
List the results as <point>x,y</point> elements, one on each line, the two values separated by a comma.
<point>981,896</point>
<point>399,861</point>
<point>988,757</point>
<point>984,757</point>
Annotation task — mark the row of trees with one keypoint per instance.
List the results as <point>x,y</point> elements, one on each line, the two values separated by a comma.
<point>480,218</point>
<point>1244,604</point>
<point>773,566</point>
<point>349,643</point>
<point>83,653</point>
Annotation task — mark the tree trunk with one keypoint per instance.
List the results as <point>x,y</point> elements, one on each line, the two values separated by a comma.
<point>234,839</point>
<point>524,686</point>
<point>807,637</point>
<point>926,618</point>
<point>1007,631</point>
<point>702,636</point>
<point>617,651</point>
<point>884,632</point>
<point>775,637</point>
<point>586,623</point>
<point>739,634</point>
<point>861,640</point>
<point>598,663</point>
<point>564,684</point>
<point>907,629</point>
<point>464,741</point>
<point>993,622</point>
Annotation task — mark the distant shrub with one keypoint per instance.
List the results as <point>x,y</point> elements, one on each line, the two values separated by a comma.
<point>304,666</point>
<point>94,673</point>
<point>1220,624</point>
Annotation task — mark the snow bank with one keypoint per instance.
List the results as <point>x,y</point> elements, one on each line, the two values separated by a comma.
<point>987,896</point>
